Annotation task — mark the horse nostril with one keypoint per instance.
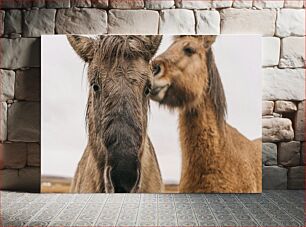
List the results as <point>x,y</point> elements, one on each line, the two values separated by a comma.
<point>156,69</point>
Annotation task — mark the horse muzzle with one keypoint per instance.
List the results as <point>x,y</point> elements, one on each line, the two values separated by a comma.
<point>117,181</point>
<point>158,93</point>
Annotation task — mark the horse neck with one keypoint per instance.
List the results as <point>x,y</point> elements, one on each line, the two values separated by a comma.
<point>201,136</point>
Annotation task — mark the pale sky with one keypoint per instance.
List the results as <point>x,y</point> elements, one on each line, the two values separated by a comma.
<point>64,95</point>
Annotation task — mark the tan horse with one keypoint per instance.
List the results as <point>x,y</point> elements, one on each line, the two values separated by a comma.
<point>215,156</point>
<point>119,156</point>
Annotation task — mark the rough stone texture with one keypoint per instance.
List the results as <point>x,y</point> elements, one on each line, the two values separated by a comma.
<point>261,4</point>
<point>208,22</point>
<point>126,4</point>
<point>221,3</point>
<point>33,154</point>
<point>283,84</point>
<point>7,80</point>
<point>268,116</point>
<point>274,177</point>
<point>289,153</point>
<point>290,22</point>
<point>155,4</point>
<point>192,4</point>
<point>267,107</point>
<point>38,3</point>
<point>27,85</point>
<point>296,176</point>
<point>13,21</point>
<point>277,115</point>
<point>133,22</point>
<point>299,122</point>
<point>303,160</point>
<point>293,4</point>
<point>80,3</point>
<point>24,122</point>
<point>293,52</point>
<point>38,22</point>
<point>276,129</point>
<point>273,115</point>
<point>15,4</point>
<point>26,179</point>
<point>13,36</point>
<point>56,4</point>
<point>177,21</point>
<point>3,121</point>
<point>269,154</point>
<point>237,21</point>
<point>270,51</point>
<point>285,106</point>
<point>20,53</point>
<point>2,15</point>
<point>14,155</point>
<point>242,4</point>
<point>100,3</point>
<point>81,21</point>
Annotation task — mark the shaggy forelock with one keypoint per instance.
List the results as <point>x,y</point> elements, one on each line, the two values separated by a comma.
<point>114,48</point>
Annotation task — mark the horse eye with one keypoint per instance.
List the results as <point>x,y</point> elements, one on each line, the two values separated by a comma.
<point>156,69</point>
<point>147,90</point>
<point>95,87</point>
<point>189,51</point>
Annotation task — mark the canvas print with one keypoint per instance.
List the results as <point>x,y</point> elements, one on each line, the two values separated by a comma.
<point>151,114</point>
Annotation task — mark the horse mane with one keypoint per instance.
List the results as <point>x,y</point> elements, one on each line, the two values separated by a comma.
<point>112,49</point>
<point>215,88</point>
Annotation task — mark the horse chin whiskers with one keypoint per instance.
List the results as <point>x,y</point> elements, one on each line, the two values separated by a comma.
<point>109,188</point>
<point>137,187</point>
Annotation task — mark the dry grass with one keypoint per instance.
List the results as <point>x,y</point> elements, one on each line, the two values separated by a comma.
<point>55,188</point>
<point>51,184</point>
<point>171,188</point>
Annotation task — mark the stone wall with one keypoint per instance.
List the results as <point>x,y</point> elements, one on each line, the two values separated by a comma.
<point>281,22</point>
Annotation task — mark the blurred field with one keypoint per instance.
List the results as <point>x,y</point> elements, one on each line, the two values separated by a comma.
<point>53,184</point>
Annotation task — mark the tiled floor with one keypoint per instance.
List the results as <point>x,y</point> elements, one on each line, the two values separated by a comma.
<point>271,208</point>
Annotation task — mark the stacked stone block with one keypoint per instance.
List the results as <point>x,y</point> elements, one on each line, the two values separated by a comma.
<point>280,22</point>
<point>283,144</point>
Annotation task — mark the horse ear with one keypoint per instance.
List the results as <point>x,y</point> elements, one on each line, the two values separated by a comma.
<point>209,40</point>
<point>83,46</point>
<point>153,44</point>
